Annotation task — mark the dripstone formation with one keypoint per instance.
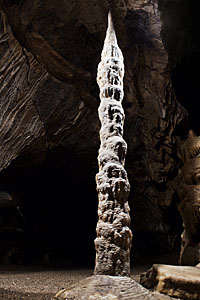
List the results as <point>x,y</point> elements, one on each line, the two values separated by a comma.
<point>189,207</point>
<point>49,122</point>
<point>113,242</point>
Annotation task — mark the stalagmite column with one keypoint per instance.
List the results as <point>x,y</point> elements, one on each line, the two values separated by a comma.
<point>189,194</point>
<point>113,242</point>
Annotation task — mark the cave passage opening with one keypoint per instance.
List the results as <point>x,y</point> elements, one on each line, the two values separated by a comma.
<point>186,84</point>
<point>57,213</point>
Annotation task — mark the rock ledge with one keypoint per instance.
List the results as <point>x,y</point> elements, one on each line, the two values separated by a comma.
<point>175,281</point>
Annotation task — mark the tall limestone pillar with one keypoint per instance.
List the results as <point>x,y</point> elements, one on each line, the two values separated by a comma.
<point>113,242</point>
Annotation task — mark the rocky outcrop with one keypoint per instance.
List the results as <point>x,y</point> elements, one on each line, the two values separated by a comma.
<point>189,193</point>
<point>113,242</point>
<point>20,123</point>
<point>28,91</point>
<point>49,100</point>
<point>153,119</point>
<point>175,281</point>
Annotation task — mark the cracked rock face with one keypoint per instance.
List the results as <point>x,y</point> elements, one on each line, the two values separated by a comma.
<point>49,100</point>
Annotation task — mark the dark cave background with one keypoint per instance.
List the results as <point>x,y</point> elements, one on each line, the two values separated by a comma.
<point>48,206</point>
<point>180,33</point>
<point>34,231</point>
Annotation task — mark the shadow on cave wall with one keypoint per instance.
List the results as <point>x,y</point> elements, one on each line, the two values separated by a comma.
<point>186,85</point>
<point>180,36</point>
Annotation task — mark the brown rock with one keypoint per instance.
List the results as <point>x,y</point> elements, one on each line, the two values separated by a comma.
<point>175,281</point>
<point>189,193</point>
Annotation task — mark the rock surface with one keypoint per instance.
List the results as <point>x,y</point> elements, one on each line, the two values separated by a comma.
<point>174,281</point>
<point>189,206</point>
<point>48,110</point>
<point>107,288</point>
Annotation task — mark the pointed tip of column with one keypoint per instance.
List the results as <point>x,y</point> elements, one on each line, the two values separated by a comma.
<point>110,21</point>
<point>110,34</point>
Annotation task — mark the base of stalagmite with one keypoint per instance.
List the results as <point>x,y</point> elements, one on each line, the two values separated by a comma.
<point>104,287</point>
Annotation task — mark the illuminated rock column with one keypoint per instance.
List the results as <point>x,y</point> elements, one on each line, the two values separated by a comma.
<point>113,242</point>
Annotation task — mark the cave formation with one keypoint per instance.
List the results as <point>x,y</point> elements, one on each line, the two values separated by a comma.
<point>114,237</point>
<point>49,124</point>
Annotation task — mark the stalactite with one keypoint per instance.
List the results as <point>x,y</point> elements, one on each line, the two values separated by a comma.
<point>113,242</point>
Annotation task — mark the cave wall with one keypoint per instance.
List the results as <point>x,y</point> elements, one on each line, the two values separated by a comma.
<point>180,36</point>
<point>49,124</point>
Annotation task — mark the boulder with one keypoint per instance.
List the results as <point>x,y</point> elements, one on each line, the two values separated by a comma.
<point>175,281</point>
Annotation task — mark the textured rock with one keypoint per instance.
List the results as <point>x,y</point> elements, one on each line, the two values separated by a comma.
<point>152,116</point>
<point>17,91</point>
<point>189,193</point>
<point>49,100</point>
<point>29,98</point>
<point>113,242</point>
<point>174,281</point>
<point>107,288</point>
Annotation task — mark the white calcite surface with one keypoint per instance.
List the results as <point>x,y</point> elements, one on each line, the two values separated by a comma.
<point>113,242</point>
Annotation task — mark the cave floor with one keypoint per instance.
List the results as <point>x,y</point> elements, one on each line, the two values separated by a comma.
<point>32,282</point>
<point>41,283</point>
